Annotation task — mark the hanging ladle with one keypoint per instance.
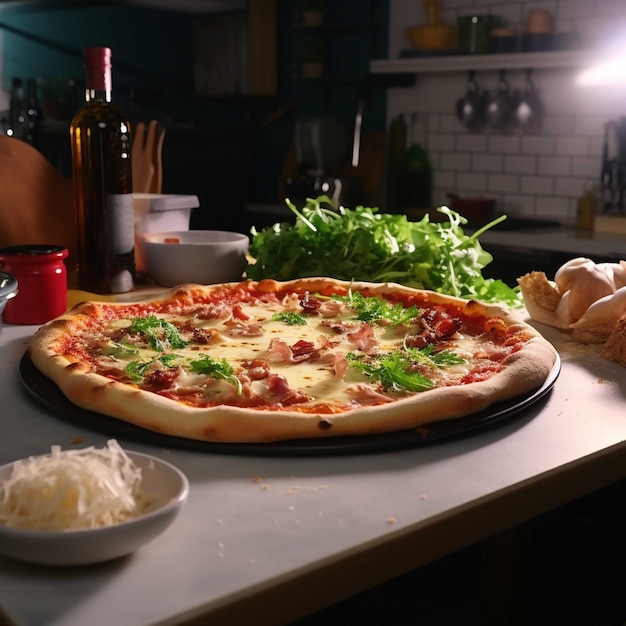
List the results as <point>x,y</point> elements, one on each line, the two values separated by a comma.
<point>470,109</point>
<point>501,108</point>
<point>529,111</point>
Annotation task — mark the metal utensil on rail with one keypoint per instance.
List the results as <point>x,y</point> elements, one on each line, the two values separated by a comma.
<point>471,108</point>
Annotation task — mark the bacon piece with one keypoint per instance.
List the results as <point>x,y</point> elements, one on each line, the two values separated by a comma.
<point>423,340</point>
<point>437,326</point>
<point>213,311</point>
<point>291,302</point>
<point>304,351</point>
<point>282,393</point>
<point>310,304</point>
<point>446,327</point>
<point>237,328</point>
<point>279,351</point>
<point>360,335</point>
<point>339,328</point>
<point>339,364</point>
<point>331,308</point>
<point>161,378</point>
<point>238,313</point>
<point>325,343</point>
<point>363,337</point>
<point>301,351</point>
<point>257,369</point>
<point>203,335</point>
<point>366,394</point>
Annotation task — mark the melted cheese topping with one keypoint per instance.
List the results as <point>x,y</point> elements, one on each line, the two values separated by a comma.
<point>310,358</point>
<point>72,489</point>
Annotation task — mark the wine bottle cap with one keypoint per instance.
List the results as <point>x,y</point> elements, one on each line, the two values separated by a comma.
<point>98,68</point>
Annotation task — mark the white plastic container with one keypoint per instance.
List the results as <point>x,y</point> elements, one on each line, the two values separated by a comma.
<point>156,212</point>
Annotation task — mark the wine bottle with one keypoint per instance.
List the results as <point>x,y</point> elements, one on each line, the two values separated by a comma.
<point>32,113</point>
<point>417,173</point>
<point>102,173</point>
<point>17,110</point>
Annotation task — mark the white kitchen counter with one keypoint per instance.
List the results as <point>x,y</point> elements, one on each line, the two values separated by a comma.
<point>270,539</point>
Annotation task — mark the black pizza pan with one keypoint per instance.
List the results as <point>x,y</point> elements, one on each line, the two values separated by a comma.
<point>47,393</point>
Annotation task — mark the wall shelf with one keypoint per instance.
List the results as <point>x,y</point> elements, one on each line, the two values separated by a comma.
<point>463,63</point>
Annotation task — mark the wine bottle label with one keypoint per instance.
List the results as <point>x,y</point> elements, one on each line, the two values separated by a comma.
<point>121,223</point>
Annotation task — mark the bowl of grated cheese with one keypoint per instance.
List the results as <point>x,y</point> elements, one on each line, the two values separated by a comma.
<point>89,505</point>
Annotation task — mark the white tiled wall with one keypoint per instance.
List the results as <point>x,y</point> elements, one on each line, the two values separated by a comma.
<point>530,174</point>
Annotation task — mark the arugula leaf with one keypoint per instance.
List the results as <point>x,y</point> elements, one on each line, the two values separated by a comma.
<point>363,244</point>
<point>394,371</point>
<point>219,369</point>
<point>137,369</point>
<point>443,358</point>
<point>391,371</point>
<point>290,318</point>
<point>121,349</point>
<point>370,308</point>
<point>161,333</point>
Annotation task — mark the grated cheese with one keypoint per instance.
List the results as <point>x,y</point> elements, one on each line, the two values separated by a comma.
<point>72,489</point>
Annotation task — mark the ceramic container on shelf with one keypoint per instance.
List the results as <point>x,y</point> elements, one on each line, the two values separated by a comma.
<point>475,32</point>
<point>539,21</point>
<point>502,40</point>
<point>539,32</point>
<point>434,37</point>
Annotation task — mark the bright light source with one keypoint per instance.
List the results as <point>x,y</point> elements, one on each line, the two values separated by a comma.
<point>609,72</point>
<point>608,68</point>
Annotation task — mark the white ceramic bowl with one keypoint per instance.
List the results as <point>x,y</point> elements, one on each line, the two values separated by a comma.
<point>160,481</point>
<point>199,256</point>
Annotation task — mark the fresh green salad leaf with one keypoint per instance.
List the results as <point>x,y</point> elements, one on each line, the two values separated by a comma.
<point>392,372</point>
<point>215,368</point>
<point>121,349</point>
<point>291,318</point>
<point>443,358</point>
<point>370,308</point>
<point>161,333</point>
<point>395,371</point>
<point>137,369</point>
<point>363,244</point>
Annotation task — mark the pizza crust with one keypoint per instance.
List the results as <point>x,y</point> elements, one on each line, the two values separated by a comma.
<point>524,371</point>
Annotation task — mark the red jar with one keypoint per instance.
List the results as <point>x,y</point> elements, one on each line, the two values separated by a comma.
<point>41,282</point>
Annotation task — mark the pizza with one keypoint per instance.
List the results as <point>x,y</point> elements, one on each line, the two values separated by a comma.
<point>267,361</point>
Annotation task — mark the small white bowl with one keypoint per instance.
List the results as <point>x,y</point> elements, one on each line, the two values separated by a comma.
<point>195,256</point>
<point>160,481</point>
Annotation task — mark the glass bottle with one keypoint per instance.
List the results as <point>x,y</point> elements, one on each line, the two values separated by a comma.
<point>17,109</point>
<point>32,112</point>
<point>102,174</point>
<point>417,174</point>
<point>586,208</point>
<point>397,150</point>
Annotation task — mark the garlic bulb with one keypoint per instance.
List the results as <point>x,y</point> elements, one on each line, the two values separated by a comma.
<point>600,318</point>
<point>586,283</point>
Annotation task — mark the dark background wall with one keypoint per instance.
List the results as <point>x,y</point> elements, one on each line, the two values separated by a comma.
<point>228,150</point>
